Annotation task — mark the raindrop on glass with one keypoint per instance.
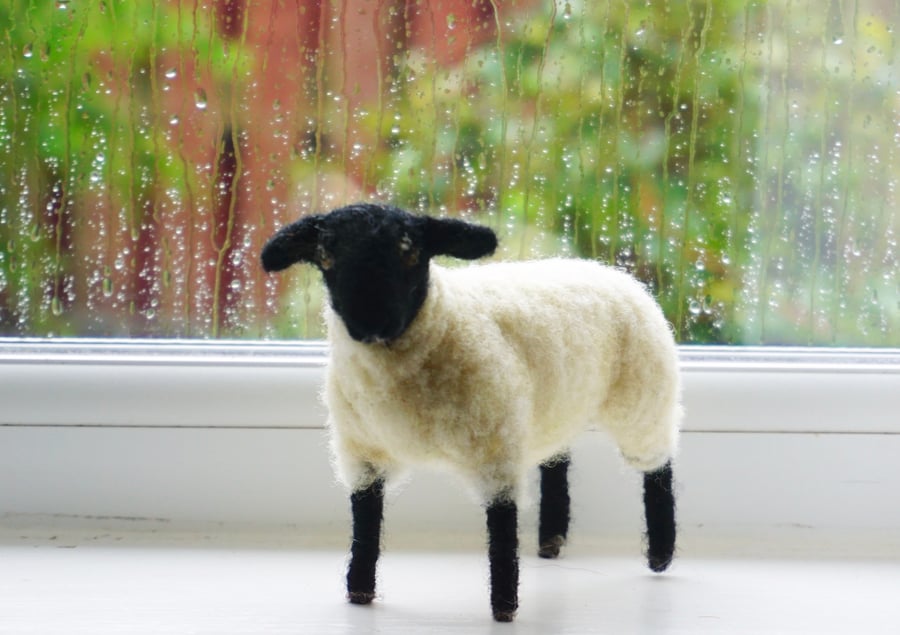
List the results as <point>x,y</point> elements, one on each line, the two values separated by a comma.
<point>200,99</point>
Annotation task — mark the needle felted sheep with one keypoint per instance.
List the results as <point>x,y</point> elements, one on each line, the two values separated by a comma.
<point>489,370</point>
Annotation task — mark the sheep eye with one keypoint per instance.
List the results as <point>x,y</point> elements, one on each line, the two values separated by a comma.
<point>408,252</point>
<point>325,259</point>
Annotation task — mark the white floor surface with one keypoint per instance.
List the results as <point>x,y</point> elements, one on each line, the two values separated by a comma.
<point>122,585</point>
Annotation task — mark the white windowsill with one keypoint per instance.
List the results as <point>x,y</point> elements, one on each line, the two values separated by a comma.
<point>183,434</point>
<point>121,586</point>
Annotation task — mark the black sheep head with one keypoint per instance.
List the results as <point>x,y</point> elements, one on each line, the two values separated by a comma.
<point>374,259</point>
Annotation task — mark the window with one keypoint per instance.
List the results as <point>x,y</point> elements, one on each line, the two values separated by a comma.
<point>739,157</point>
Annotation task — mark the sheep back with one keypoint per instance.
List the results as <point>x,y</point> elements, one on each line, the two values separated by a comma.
<point>503,366</point>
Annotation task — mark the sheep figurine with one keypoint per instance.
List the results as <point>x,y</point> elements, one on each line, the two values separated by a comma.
<point>488,370</point>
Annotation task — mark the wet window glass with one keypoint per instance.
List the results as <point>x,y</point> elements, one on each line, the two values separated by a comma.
<point>739,157</point>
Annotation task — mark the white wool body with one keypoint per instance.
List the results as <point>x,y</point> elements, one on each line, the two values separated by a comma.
<point>503,366</point>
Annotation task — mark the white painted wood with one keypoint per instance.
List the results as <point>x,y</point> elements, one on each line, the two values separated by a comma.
<point>106,432</point>
<point>135,384</point>
<point>274,478</point>
<point>274,385</point>
<point>137,587</point>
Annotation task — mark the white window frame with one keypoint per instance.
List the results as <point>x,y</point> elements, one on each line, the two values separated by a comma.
<point>119,383</point>
<point>203,432</point>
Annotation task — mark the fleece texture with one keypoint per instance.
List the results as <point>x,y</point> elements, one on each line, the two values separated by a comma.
<point>503,365</point>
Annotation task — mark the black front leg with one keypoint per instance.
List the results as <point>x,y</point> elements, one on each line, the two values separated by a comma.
<point>503,552</point>
<point>553,525</point>
<point>659,509</point>
<point>367,506</point>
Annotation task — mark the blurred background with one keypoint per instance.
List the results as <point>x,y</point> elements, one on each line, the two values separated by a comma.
<point>740,157</point>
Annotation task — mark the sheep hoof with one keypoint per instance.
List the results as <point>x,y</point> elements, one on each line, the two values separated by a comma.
<point>550,548</point>
<point>502,615</point>
<point>657,564</point>
<point>361,597</point>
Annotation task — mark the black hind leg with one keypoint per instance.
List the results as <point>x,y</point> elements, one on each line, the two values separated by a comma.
<point>554,515</point>
<point>659,508</point>
<point>367,506</point>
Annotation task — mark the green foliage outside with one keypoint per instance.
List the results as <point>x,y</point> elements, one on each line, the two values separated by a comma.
<point>618,127</point>
<point>72,146</point>
<point>736,156</point>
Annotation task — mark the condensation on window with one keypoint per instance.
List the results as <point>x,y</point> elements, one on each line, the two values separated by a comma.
<point>741,158</point>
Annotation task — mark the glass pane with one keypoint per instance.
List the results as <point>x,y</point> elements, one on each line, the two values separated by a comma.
<point>741,158</point>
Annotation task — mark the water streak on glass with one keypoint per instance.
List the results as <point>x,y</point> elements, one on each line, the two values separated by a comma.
<point>739,157</point>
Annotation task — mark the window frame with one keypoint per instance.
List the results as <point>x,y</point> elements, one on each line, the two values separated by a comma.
<point>186,436</point>
<point>273,384</point>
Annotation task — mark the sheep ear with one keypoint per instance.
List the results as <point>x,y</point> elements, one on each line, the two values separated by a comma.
<point>453,237</point>
<point>297,242</point>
